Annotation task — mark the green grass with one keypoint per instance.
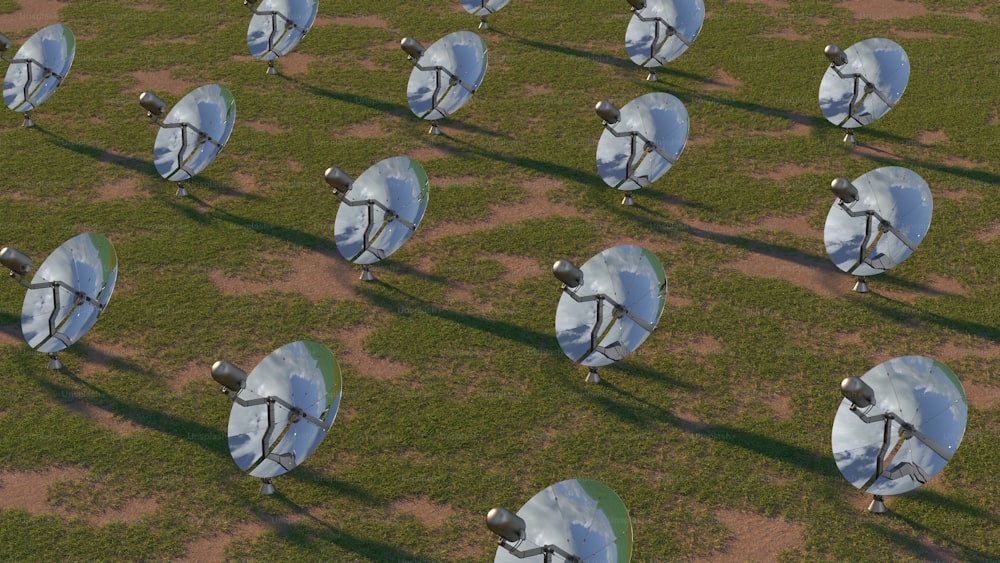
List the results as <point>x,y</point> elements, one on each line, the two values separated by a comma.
<point>488,410</point>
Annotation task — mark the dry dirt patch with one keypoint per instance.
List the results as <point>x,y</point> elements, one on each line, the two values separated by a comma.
<point>783,171</point>
<point>354,21</point>
<point>429,514</point>
<point>989,235</point>
<point>535,205</point>
<point>213,548</point>
<point>263,127</point>
<point>755,537</point>
<point>883,9</point>
<point>191,372</point>
<point>103,417</point>
<point>131,512</point>
<point>369,365</point>
<point>10,334</point>
<point>365,130</point>
<point>722,81</point>
<point>517,267</point>
<point>317,275</point>
<point>160,81</point>
<point>936,286</point>
<point>814,275</point>
<point>431,153</point>
<point>931,137</point>
<point>294,63</point>
<point>787,33</point>
<point>28,490</point>
<point>119,189</point>
<point>35,14</point>
<point>981,397</point>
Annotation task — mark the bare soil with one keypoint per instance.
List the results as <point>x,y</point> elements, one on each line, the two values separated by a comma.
<point>755,537</point>
<point>32,15</point>
<point>366,363</point>
<point>883,9</point>
<point>316,275</point>
<point>429,514</point>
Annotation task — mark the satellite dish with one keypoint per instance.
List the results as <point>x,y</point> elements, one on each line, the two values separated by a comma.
<point>483,8</point>
<point>277,27</point>
<point>38,68</point>
<point>577,519</point>
<point>877,221</point>
<point>660,30</point>
<point>445,75</point>
<point>193,133</point>
<point>641,141</point>
<point>67,293</point>
<point>898,426</point>
<point>379,211</point>
<point>609,306</point>
<point>282,410</point>
<point>862,83</point>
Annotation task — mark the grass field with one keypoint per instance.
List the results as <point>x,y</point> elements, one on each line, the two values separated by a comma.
<point>716,433</point>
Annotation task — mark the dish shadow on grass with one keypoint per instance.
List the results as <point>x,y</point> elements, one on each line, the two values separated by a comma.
<point>328,534</point>
<point>193,432</point>
<point>542,166</point>
<point>292,236</point>
<point>923,551</point>
<point>603,58</point>
<point>646,410</point>
<point>391,108</point>
<point>893,309</point>
<point>144,167</point>
<point>501,329</point>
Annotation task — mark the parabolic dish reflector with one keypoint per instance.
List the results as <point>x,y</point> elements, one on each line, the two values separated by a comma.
<point>582,517</point>
<point>208,114</point>
<point>304,374</point>
<point>652,43</point>
<point>431,93</point>
<point>483,7</point>
<point>27,84</point>
<point>848,100</point>
<point>861,245</point>
<point>625,161</point>
<point>923,393</point>
<point>366,234</point>
<point>85,263</point>
<point>278,26</point>
<point>593,332</point>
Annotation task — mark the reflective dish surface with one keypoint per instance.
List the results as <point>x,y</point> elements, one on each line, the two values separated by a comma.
<point>86,263</point>
<point>429,92</point>
<point>180,152</point>
<point>924,393</point>
<point>582,517</point>
<point>899,196</point>
<point>27,84</point>
<point>304,374</point>
<point>634,278</point>
<point>400,184</point>
<point>651,43</point>
<point>274,35</point>
<point>623,162</point>
<point>483,7</point>
<point>884,64</point>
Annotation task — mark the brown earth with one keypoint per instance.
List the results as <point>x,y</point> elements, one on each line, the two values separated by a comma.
<point>32,15</point>
<point>755,537</point>
<point>316,275</point>
<point>429,514</point>
<point>367,364</point>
